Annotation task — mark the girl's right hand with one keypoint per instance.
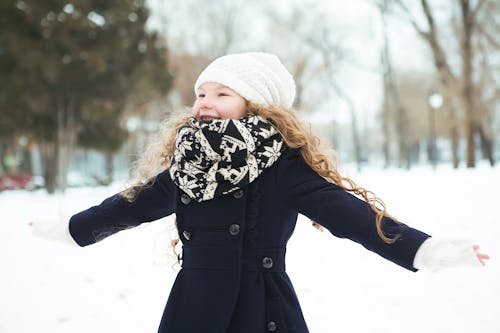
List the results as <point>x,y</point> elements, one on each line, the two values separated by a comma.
<point>55,230</point>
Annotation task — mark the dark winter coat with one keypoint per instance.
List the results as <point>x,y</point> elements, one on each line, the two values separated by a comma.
<point>233,277</point>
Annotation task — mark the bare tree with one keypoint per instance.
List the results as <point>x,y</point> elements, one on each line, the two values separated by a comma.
<point>472,123</point>
<point>487,87</point>
<point>392,107</point>
<point>329,48</point>
<point>324,45</point>
<point>215,28</point>
<point>215,31</point>
<point>288,33</point>
<point>448,83</point>
<point>461,87</point>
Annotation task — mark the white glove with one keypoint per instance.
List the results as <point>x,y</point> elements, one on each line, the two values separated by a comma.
<point>56,229</point>
<point>435,254</point>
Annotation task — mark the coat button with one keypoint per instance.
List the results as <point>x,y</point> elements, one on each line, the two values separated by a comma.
<point>271,326</point>
<point>267,262</point>
<point>234,229</point>
<point>185,198</point>
<point>186,234</point>
<point>238,194</point>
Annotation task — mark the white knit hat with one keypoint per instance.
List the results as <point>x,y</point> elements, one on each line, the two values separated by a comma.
<point>257,76</point>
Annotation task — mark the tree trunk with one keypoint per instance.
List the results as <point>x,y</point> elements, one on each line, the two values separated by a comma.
<point>355,134</point>
<point>486,145</point>
<point>392,102</point>
<point>354,125</point>
<point>66,138</point>
<point>467,85</point>
<point>453,129</point>
<point>66,142</point>
<point>109,167</point>
<point>455,138</point>
<point>26,163</point>
<point>3,149</point>
<point>298,74</point>
<point>385,131</point>
<point>448,82</point>
<point>386,108</point>
<point>469,137</point>
<point>49,154</point>
<point>402,130</point>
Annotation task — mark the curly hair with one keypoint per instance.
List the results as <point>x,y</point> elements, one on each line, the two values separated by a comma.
<point>321,158</point>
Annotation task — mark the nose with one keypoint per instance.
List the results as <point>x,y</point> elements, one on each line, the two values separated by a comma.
<point>202,107</point>
<point>205,104</point>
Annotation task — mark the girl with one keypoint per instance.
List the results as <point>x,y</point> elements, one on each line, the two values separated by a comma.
<point>236,173</point>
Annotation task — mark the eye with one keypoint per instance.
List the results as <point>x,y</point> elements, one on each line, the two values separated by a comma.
<point>223,94</point>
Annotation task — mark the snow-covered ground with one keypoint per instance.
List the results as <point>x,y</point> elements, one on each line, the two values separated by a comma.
<point>122,283</point>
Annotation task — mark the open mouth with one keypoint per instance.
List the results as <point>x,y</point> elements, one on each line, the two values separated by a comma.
<point>206,118</point>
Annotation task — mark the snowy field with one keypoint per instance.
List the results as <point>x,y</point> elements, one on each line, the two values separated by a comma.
<point>122,283</point>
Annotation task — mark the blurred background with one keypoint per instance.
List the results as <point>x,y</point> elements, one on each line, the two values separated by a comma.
<point>406,91</point>
<point>390,83</point>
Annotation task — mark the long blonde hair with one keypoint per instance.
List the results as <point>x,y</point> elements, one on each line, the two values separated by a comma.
<point>319,157</point>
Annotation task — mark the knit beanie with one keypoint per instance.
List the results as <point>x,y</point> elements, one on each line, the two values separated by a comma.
<point>257,76</point>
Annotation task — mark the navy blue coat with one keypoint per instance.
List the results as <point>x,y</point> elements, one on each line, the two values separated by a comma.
<point>233,277</point>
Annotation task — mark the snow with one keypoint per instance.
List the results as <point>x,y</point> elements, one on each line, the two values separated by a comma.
<point>122,283</point>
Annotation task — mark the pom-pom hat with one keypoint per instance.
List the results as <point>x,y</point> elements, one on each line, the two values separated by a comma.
<point>257,76</point>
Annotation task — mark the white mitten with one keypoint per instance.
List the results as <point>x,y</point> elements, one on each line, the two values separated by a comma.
<point>435,254</point>
<point>55,228</point>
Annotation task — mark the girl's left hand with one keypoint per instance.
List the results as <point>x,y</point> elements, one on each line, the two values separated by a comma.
<point>435,254</point>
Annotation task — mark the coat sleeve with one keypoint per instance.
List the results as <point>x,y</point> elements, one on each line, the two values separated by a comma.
<point>115,213</point>
<point>343,214</point>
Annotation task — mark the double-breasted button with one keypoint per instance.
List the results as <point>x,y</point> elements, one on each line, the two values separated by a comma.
<point>238,194</point>
<point>267,262</point>
<point>186,234</point>
<point>185,199</point>
<point>234,229</point>
<point>271,326</point>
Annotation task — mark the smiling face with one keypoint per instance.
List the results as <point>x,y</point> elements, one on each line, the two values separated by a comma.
<point>216,101</point>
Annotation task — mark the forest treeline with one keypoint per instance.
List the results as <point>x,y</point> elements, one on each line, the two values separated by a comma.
<point>98,75</point>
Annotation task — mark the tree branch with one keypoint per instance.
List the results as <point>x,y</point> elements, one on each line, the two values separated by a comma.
<point>475,11</point>
<point>412,19</point>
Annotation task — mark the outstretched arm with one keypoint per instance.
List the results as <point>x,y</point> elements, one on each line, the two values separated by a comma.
<point>345,215</point>
<point>113,215</point>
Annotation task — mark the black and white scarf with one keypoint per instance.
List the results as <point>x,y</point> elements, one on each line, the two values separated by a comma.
<point>216,157</point>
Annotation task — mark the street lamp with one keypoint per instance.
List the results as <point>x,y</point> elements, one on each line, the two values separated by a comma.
<point>435,102</point>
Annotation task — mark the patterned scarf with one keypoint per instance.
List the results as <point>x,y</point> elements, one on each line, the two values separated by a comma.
<point>216,157</point>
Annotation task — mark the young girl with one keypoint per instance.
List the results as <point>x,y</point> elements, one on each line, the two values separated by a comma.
<point>236,173</point>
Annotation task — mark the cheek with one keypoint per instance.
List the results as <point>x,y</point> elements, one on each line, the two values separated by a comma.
<point>242,107</point>
<point>194,112</point>
<point>234,110</point>
<point>196,107</point>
